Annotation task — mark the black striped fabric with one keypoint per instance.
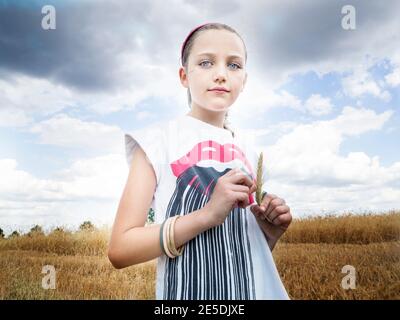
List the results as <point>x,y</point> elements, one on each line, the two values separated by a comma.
<point>216,264</point>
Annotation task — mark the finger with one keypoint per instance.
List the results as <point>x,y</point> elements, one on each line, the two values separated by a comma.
<point>280,210</point>
<point>256,211</point>
<point>239,188</point>
<point>240,178</point>
<point>283,220</point>
<point>273,204</point>
<point>242,198</point>
<point>253,188</point>
<point>230,172</point>
<point>242,188</point>
<point>266,200</point>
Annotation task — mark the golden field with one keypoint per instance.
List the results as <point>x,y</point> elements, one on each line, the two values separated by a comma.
<point>309,257</point>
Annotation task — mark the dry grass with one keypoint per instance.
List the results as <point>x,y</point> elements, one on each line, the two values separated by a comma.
<point>77,277</point>
<point>362,229</point>
<point>309,258</point>
<point>313,271</point>
<point>84,243</point>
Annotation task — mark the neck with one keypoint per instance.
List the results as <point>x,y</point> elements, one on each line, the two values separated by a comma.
<point>214,118</point>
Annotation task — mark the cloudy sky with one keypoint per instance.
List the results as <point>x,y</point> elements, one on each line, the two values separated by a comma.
<point>322,100</point>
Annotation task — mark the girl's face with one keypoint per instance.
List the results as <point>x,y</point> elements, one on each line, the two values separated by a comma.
<point>217,59</point>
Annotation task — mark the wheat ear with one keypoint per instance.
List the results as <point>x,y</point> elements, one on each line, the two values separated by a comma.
<point>259,179</point>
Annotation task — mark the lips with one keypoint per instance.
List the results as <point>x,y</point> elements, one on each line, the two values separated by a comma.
<point>219,89</point>
<point>211,150</point>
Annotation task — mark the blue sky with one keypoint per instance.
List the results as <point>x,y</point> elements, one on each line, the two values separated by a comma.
<point>322,101</point>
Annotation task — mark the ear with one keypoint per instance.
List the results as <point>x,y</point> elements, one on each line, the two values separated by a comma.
<point>183,77</point>
<point>244,81</point>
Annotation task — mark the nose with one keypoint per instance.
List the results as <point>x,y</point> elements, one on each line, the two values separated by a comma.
<point>220,73</point>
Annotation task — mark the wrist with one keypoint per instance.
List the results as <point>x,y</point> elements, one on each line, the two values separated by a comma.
<point>272,243</point>
<point>270,240</point>
<point>204,218</point>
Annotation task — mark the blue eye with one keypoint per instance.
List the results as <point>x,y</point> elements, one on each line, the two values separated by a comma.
<point>201,63</point>
<point>237,66</point>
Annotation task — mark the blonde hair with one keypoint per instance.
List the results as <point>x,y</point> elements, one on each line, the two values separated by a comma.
<point>187,48</point>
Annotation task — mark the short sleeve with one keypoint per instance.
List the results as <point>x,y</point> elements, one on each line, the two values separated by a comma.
<point>151,141</point>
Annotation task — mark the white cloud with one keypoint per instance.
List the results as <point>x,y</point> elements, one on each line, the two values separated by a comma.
<point>257,98</point>
<point>87,190</point>
<point>360,82</point>
<point>143,115</point>
<point>309,200</point>
<point>305,165</point>
<point>393,78</point>
<point>310,153</point>
<point>278,48</point>
<point>64,131</point>
<point>276,129</point>
<point>27,96</point>
<point>13,118</point>
<point>70,214</point>
<point>318,105</point>
<point>355,121</point>
<point>22,96</point>
<point>99,177</point>
<point>21,187</point>
<point>143,79</point>
<point>94,178</point>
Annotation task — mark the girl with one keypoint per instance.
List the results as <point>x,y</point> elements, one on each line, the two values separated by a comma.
<point>198,176</point>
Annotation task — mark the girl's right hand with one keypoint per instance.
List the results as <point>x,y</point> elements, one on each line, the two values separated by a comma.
<point>231,189</point>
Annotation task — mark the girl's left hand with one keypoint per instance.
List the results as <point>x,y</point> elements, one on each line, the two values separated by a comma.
<point>273,216</point>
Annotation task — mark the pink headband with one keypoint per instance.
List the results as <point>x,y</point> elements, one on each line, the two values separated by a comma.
<point>187,38</point>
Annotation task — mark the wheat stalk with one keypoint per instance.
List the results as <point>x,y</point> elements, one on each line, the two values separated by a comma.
<point>259,179</point>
